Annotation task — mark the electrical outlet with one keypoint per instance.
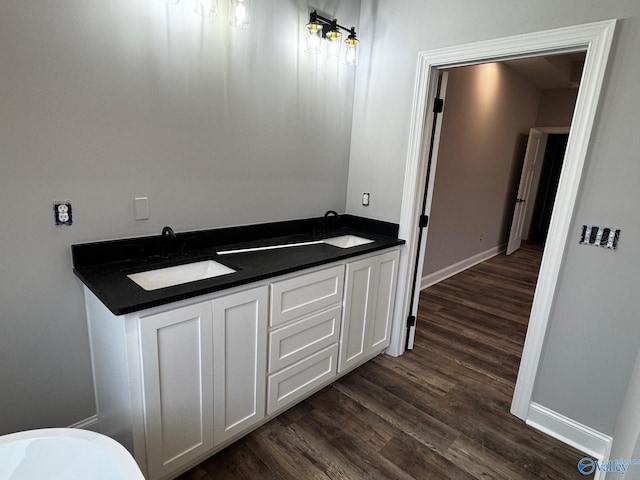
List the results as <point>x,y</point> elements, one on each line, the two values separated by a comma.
<point>62,213</point>
<point>366,197</point>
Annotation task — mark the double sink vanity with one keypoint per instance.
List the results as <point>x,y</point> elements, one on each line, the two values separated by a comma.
<point>198,338</point>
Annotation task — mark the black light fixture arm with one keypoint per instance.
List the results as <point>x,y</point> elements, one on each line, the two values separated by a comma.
<point>333,24</point>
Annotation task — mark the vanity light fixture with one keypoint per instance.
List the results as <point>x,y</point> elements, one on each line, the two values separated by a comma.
<point>324,30</point>
<point>239,13</point>
<point>239,10</point>
<point>206,8</point>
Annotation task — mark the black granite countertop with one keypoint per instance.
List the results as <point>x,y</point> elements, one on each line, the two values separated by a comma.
<point>103,266</point>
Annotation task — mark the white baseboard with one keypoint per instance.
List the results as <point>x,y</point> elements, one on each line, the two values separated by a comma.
<point>90,423</point>
<point>586,439</point>
<point>460,266</point>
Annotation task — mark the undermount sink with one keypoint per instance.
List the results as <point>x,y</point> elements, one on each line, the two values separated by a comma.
<point>189,272</point>
<point>347,241</point>
<point>343,241</point>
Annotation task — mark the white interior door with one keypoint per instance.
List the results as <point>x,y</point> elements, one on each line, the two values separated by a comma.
<point>432,152</point>
<point>529,181</point>
<point>532,158</point>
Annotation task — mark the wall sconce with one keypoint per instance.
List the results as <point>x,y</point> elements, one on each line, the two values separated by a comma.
<point>323,30</point>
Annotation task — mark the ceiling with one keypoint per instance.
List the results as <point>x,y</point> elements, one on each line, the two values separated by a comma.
<point>551,72</point>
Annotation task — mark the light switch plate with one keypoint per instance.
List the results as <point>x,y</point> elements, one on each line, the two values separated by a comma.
<point>141,208</point>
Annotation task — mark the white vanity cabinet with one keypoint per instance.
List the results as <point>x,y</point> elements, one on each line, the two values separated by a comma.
<point>178,382</point>
<point>368,307</point>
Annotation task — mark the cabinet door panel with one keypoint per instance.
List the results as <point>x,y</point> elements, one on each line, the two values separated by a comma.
<point>297,340</point>
<point>385,299</point>
<point>178,393</point>
<point>240,354</point>
<point>370,289</point>
<point>359,282</point>
<point>298,296</point>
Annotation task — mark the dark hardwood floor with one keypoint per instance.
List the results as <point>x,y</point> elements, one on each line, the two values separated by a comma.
<point>440,411</point>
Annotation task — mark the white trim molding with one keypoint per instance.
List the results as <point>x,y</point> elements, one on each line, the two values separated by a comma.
<point>460,266</point>
<point>579,436</point>
<point>595,39</point>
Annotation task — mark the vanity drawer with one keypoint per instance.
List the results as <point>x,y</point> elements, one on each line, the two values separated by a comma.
<point>288,385</point>
<point>299,296</point>
<point>297,340</point>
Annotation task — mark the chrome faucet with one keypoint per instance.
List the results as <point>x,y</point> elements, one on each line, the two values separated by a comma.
<point>166,238</point>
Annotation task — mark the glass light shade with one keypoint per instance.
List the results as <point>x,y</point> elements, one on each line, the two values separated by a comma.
<point>351,54</point>
<point>207,8</point>
<point>334,44</point>
<point>239,13</point>
<point>314,41</point>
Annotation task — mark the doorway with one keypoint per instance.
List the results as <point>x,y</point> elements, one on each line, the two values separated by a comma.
<point>537,227</point>
<point>595,39</point>
<point>474,195</point>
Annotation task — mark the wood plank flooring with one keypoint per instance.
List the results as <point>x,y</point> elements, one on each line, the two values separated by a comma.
<point>440,411</point>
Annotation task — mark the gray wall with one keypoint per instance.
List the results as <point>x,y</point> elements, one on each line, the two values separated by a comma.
<point>627,432</point>
<point>594,334</point>
<point>104,101</point>
<point>477,178</point>
<point>489,110</point>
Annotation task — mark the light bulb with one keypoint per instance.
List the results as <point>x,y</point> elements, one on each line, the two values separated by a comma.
<point>351,55</point>
<point>314,41</point>
<point>333,44</point>
<point>239,13</point>
<point>207,8</point>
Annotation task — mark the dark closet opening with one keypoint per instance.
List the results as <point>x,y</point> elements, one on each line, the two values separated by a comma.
<point>548,186</point>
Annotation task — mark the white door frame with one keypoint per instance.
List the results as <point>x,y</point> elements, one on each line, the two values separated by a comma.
<point>595,39</point>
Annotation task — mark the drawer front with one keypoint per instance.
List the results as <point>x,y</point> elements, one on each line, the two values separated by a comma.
<point>288,385</point>
<point>297,340</point>
<point>305,294</point>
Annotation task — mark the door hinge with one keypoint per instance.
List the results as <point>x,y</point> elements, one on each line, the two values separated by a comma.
<point>424,221</point>
<point>438,105</point>
<point>411,321</point>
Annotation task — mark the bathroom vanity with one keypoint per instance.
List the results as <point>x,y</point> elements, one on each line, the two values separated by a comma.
<point>180,379</point>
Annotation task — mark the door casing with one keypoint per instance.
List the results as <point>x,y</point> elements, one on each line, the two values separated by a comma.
<point>595,39</point>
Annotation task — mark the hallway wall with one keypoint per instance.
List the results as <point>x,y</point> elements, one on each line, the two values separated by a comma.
<point>487,115</point>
